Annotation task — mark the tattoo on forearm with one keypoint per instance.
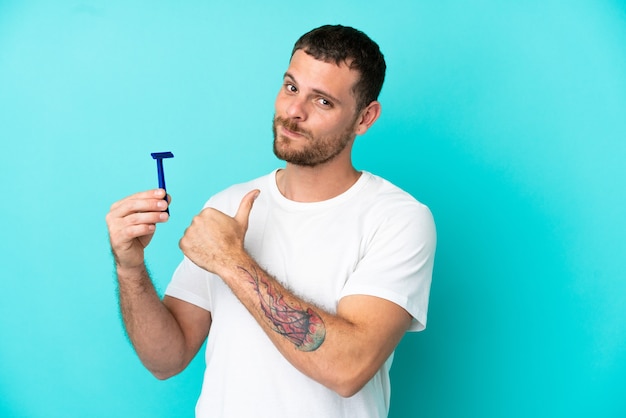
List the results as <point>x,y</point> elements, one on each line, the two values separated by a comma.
<point>300,325</point>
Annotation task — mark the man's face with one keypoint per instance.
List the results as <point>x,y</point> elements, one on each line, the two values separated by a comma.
<point>315,111</point>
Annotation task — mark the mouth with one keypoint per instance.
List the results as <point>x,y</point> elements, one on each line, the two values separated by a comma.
<point>289,130</point>
<point>289,133</point>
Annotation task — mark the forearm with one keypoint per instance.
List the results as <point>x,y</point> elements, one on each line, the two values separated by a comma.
<point>151,327</point>
<point>328,348</point>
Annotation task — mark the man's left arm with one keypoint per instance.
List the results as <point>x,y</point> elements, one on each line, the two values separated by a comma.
<point>342,351</point>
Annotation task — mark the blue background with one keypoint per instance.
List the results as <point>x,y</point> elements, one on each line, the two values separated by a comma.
<point>506,118</point>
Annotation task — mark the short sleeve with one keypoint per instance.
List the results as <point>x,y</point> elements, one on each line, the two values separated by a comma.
<point>190,283</point>
<point>398,262</point>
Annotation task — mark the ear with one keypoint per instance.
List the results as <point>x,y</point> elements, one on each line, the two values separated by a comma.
<point>367,117</point>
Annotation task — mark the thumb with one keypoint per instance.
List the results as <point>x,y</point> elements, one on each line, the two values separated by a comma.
<point>243,213</point>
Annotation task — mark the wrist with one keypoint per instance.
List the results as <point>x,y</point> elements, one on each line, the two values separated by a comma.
<point>130,271</point>
<point>232,263</point>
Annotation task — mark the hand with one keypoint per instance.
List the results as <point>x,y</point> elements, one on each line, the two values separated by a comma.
<point>214,240</point>
<point>132,222</point>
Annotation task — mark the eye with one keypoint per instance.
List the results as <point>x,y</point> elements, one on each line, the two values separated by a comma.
<point>291,88</point>
<point>324,102</point>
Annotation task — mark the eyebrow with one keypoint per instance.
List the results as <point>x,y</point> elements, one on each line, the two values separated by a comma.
<point>317,91</point>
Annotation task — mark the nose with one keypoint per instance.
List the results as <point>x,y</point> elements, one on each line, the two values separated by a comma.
<point>296,108</point>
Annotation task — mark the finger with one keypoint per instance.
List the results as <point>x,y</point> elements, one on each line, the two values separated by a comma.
<point>136,225</point>
<point>243,213</point>
<point>131,232</point>
<point>135,204</point>
<point>148,194</point>
<point>145,218</point>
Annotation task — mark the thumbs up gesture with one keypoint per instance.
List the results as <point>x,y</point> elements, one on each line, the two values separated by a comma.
<point>214,240</point>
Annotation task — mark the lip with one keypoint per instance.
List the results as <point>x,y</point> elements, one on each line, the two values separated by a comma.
<point>290,133</point>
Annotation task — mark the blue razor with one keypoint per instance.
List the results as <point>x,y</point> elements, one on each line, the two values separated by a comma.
<point>159,156</point>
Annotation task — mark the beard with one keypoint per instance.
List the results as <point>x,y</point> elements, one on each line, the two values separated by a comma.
<point>319,150</point>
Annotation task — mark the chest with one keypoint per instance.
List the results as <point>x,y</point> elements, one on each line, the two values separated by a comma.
<point>313,254</point>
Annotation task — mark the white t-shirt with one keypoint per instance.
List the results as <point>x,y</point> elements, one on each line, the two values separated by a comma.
<point>374,239</point>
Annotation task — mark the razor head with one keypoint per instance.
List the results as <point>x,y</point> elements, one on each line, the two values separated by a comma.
<point>161,155</point>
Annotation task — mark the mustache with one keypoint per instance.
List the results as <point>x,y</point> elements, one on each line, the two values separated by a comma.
<point>291,125</point>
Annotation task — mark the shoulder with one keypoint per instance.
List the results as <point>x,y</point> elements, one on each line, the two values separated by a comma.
<point>389,201</point>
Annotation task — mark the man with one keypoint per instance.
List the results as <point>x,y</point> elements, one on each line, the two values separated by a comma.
<point>304,280</point>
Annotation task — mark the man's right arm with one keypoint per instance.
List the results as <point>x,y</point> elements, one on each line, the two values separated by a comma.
<point>165,334</point>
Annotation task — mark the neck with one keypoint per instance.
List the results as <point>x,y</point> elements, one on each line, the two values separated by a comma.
<point>315,184</point>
